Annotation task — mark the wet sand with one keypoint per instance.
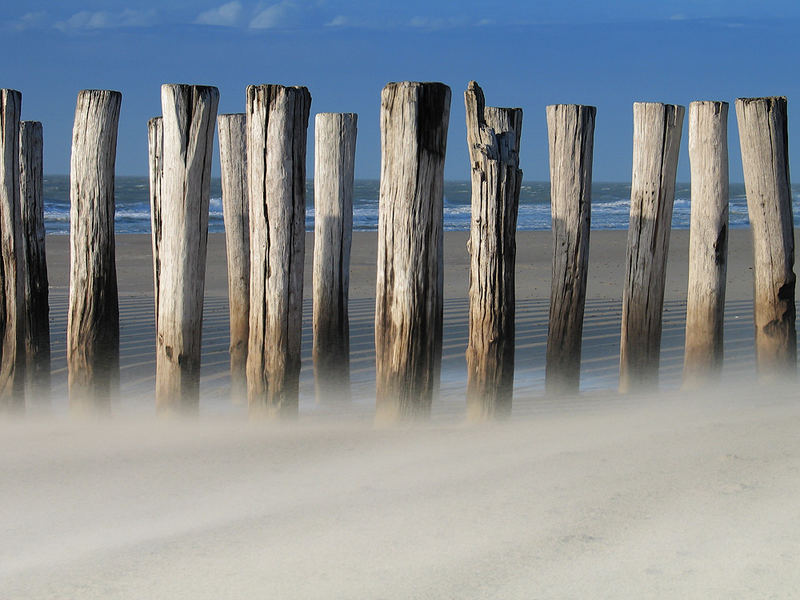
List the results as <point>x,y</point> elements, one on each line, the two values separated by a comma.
<point>601,329</point>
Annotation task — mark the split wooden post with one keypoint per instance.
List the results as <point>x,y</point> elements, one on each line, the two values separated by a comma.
<point>189,114</point>
<point>93,322</point>
<point>12,303</point>
<point>409,290</point>
<point>232,131</point>
<point>765,162</point>
<point>656,142</point>
<point>35,284</point>
<point>708,242</point>
<point>277,122</point>
<point>571,139</point>
<point>155,142</point>
<point>493,138</point>
<point>334,160</point>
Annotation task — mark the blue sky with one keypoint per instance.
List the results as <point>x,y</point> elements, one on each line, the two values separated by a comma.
<point>527,54</point>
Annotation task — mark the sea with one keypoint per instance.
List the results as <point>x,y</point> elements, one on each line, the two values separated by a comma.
<point>610,205</point>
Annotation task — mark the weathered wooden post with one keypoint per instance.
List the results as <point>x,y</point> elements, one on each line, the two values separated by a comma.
<point>708,242</point>
<point>656,142</point>
<point>277,122</point>
<point>189,114</point>
<point>35,285</point>
<point>155,142</point>
<point>232,130</point>
<point>493,138</point>
<point>409,303</point>
<point>571,138</point>
<point>334,159</point>
<point>12,303</point>
<point>765,162</point>
<point>93,323</point>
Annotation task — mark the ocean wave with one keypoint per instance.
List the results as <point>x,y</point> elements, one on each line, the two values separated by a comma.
<point>610,205</point>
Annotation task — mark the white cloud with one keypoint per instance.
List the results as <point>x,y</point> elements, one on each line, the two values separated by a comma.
<point>338,21</point>
<point>277,15</point>
<point>102,19</point>
<point>438,23</point>
<point>226,15</point>
<point>29,20</point>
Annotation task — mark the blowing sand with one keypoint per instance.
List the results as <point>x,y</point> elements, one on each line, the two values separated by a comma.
<point>672,495</point>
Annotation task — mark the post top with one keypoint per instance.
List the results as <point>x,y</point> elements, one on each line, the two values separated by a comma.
<point>651,104</point>
<point>253,86</point>
<point>409,84</point>
<point>337,114</point>
<point>572,106</point>
<point>768,99</point>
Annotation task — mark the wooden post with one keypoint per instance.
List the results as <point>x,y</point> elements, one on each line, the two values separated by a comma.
<point>277,122</point>
<point>189,113</point>
<point>35,285</point>
<point>93,323</point>
<point>12,303</point>
<point>408,303</point>
<point>155,142</point>
<point>656,142</point>
<point>571,138</point>
<point>708,242</point>
<point>765,162</point>
<point>334,159</point>
<point>493,138</point>
<point>232,130</point>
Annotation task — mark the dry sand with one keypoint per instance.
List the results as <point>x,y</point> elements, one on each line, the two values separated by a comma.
<point>591,497</point>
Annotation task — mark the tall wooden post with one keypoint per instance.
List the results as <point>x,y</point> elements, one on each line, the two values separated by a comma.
<point>277,122</point>
<point>408,304</point>
<point>493,138</point>
<point>232,130</point>
<point>571,137</point>
<point>765,162</point>
<point>656,142</point>
<point>12,303</point>
<point>35,285</point>
<point>189,114</point>
<point>334,160</point>
<point>708,242</point>
<point>155,142</point>
<point>93,323</point>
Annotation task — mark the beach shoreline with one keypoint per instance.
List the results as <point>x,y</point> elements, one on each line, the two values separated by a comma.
<point>534,258</point>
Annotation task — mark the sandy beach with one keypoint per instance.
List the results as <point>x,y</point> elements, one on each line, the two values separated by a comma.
<point>670,495</point>
<point>534,256</point>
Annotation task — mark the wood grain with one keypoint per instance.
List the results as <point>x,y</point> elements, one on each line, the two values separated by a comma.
<point>493,138</point>
<point>93,322</point>
<point>765,161</point>
<point>656,142</point>
<point>408,303</point>
<point>232,131</point>
<point>155,143</point>
<point>35,285</point>
<point>12,303</point>
<point>189,115</point>
<point>334,162</point>
<point>571,140</point>
<point>277,124</point>
<point>708,243</point>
